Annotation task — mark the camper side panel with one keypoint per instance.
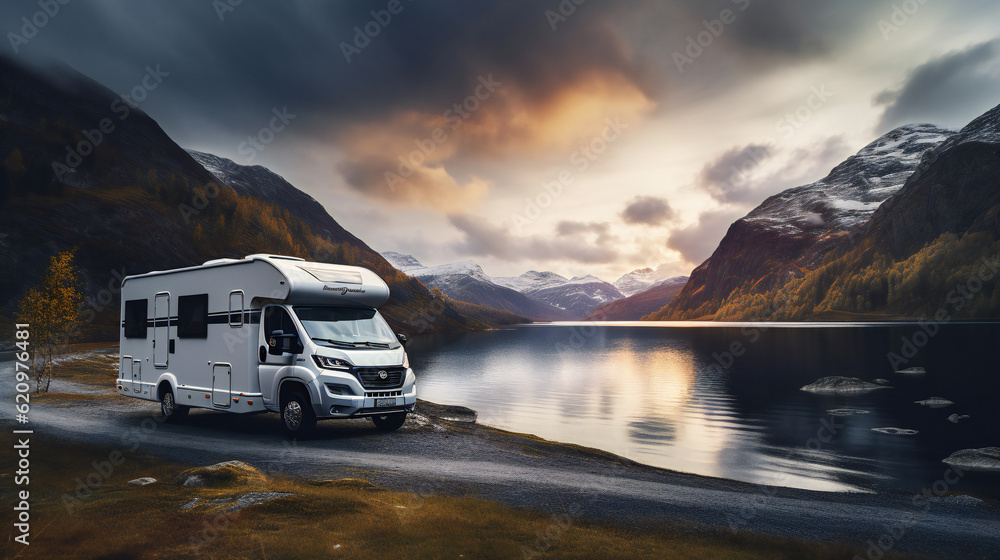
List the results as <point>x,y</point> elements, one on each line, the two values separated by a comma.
<point>195,331</point>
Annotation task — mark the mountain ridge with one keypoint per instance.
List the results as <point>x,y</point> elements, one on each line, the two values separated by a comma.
<point>929,235</point>
<point>139,202</point>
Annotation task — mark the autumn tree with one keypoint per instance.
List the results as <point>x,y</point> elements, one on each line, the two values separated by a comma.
<point>51,308</point>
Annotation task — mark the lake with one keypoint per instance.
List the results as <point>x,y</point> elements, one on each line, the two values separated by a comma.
<point>725,400</point>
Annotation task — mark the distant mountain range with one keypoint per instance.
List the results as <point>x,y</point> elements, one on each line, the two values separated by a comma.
<point>543,296</point>
<point>642,303</point>
<point>131,200</point>
<point>895,231</point>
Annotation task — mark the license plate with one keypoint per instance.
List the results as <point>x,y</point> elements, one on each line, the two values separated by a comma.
<point>379,403</point>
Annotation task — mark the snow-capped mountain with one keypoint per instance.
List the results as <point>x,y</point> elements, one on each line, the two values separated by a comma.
<point>463,268</point>
<point>531,280</point>
<point>640,280</point>
<point>580,295</point>
<point>636,306</point>
<point>539,295</point>
<point>466,281</point>
<point>793,231</point>
<point>855,188</point>
<point>400,261</point>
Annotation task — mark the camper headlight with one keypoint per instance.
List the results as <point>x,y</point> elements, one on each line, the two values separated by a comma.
<point>327,362</point>
<point>406,361</point>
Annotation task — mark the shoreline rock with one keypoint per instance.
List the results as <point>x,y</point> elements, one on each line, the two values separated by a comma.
<point>982,459</point>
<point>839,385</point>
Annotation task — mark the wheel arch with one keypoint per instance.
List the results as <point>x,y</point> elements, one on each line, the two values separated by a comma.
<point>167,381</point>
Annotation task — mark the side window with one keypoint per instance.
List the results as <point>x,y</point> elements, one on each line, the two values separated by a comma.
<point>192,316</point>
<point>236,309</point>
<point>277,319</point>
<point>135,318</point>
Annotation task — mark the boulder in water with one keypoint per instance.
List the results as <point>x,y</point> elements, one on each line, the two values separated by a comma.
<point>912,371</point>
<point>881,381</point>
<point>956,418</point>
<point>983,459</point>
<point>935,402</point>
<point>846,411</point>
<point>896,431</point>
<point>841,385</point>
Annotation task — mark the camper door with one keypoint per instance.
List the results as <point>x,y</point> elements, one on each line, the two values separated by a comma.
<point>161,329</point>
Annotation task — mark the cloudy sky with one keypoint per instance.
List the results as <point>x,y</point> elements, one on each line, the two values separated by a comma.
<point>591,138</point>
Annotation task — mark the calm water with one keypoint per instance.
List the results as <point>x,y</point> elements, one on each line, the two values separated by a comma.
<point>650,393</point>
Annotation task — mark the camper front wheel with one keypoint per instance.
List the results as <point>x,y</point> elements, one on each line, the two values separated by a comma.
<point>297,415</point>
<point>389,422</point>
<point>169,407</point>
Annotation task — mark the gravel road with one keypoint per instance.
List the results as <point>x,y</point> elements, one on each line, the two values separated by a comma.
<point>430,455</point>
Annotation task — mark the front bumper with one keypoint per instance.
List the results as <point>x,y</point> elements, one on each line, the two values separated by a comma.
<point>363,402</point>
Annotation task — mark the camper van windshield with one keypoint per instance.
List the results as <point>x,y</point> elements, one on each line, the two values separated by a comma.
<point>345,326</point>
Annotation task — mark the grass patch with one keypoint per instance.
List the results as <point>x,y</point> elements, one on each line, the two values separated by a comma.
<point>90,364</point>
<point>348,518</point>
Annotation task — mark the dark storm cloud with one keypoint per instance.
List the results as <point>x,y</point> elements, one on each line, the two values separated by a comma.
<point>648,210</point>
<point>696,242</point>
<point>483,239</point>
<point>232,71</point>
<point>949,90</point>
<point>264,54</point>
<point>727,178</point>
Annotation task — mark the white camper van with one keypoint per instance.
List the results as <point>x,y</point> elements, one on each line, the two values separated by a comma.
<point>265,333</point>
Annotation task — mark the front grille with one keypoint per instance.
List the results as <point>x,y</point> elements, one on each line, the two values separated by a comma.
<point>377,394</point>
<point>370,378</point>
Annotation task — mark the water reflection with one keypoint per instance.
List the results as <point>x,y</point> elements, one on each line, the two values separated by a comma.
<point>652,395</point>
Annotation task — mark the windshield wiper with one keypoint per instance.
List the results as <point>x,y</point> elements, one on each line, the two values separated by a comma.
<point>347,344</point>
<point>336,342</point>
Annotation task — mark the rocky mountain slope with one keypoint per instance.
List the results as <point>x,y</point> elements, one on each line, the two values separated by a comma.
<point>638,305</point>
<point>793,231</point>
<point>129,200</point>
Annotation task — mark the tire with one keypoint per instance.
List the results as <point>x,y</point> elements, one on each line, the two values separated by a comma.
<point>297,416</point>
<point>169,408</point>
<point>389,422</point>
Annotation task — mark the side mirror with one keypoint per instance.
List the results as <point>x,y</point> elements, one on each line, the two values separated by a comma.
<point>279,343</point>
<point>401,338</point>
